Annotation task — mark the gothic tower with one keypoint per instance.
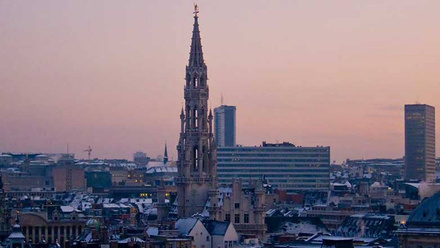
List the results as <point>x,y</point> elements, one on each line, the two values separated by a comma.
<point>197,179</point>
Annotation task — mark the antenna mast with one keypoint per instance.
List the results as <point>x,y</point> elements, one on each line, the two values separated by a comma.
<point>89,152</point>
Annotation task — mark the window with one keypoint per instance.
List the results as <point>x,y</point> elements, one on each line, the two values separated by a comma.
<point>237,218</point>
<point>207,238</point>
<point>37,232</point>
<point>237,205</point>
<point>228,217</point>
<point>246,218</point>
<point>195,159</point>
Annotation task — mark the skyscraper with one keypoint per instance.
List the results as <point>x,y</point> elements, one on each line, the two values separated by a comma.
<point>197,165</point>
<point>419,142</point>
<point>224,125</point>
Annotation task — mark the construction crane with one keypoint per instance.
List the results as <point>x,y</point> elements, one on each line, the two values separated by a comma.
<point>89,152</point>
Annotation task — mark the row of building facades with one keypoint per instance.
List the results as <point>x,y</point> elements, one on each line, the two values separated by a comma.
<point>217,188</point>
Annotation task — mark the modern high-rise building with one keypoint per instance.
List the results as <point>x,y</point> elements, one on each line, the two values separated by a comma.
<point>196,166</point>
<point>284,165</point>
<point>224,125</point>
<point>419,142</point>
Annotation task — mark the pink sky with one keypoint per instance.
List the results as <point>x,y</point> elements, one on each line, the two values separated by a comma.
<point>109,74</point>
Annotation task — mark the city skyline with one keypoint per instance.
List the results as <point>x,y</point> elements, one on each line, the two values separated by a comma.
<point>110,75</point>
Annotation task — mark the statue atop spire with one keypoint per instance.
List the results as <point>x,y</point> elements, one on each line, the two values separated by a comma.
<point>196,11</point>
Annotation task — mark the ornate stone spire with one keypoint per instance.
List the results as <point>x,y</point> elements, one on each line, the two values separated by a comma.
<point>196,165</point>
<point>196,53</point>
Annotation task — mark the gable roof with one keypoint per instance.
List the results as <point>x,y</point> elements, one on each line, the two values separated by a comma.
<point>215,227</point>
<point>184,226</point>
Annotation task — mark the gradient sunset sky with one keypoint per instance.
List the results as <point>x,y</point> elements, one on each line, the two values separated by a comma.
<point>110,74</point>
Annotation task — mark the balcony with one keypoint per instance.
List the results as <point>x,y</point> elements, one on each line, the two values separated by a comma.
<point>200,93</point>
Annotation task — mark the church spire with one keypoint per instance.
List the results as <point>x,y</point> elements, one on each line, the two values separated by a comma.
<point>196,53</point>
<point>196,163</point>
<point>165,155</point>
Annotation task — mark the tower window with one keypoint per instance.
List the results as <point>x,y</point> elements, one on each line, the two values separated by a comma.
<point>195,82</point>
<point>195,118</point>
<point>195,159</point>
<point>203,160</point>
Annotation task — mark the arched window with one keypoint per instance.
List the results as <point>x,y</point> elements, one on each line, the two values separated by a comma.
<point>195,159</point>
<point>194,117</point>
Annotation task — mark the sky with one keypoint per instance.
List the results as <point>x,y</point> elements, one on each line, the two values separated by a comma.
<point>110,73</point>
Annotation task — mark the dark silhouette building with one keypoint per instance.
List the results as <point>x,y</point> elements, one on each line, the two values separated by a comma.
<point>419,142</point>
<point>224,125</point>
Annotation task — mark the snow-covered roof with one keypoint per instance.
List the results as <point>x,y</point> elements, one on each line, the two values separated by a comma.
<point>152,230</point>
<point>66,209</point>
<point>162,168</point>
<point>16,234</point>
<point>131,239</point>
<point>114,205</point>
<point>376,185</point>
<point>155,164</point>
<point>184,226</point>
<point>415,185</point>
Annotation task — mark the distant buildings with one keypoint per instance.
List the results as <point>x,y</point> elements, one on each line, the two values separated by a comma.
<point>284,165</point>
<point>140,158</point>
<point>419,142</point>
<point>224,125</point>
<point>56,223</point>
<point>67,176</point>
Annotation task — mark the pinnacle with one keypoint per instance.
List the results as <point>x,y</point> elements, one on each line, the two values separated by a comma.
<point>196,53</point>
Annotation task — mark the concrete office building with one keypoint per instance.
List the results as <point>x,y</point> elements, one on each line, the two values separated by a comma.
<point>284,165</point>
<point>224,125</point>
<point>419,142</point>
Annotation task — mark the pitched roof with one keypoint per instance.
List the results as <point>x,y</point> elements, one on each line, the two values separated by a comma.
<point>215,227</point>
<point>427,213</point>
<point>184,226</point>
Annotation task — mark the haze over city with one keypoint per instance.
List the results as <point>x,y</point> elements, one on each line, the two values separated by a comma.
<point>109,74</point>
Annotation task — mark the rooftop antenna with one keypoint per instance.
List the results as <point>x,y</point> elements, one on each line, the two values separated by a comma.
<point>89,152</point>
<point>221,99</point>
<point>67,148</point>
